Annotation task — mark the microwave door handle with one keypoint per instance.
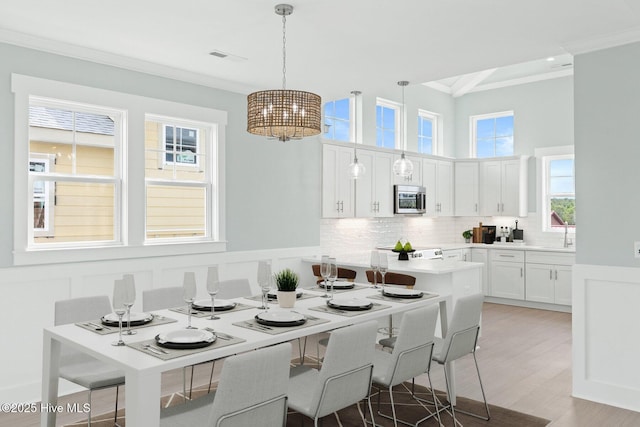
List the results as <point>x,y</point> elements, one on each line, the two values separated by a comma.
<point>422,201</point>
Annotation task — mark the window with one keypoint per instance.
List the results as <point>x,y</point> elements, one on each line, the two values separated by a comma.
<point>337,120</point>
<point>557,188</point>
<point>492,135</point>
<point>387,124</point>
<point>82,197</point>
<point>179,193</point>
<point>84,193</point>
<point>427,132</point>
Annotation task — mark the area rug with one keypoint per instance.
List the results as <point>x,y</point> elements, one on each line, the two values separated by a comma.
<point>407,409</point>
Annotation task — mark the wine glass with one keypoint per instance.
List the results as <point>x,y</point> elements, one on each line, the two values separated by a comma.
<point>189,293</point>
<point>264,280</point>
<point>325,271</point>
<point>333,273</point>
<point>118,303</point>
<point>383,266</point>
<point>375,263</point>
<point>130,286</point>
<point>213,286</point>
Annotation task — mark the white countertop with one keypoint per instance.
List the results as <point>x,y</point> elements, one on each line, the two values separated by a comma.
<point>514,246</point>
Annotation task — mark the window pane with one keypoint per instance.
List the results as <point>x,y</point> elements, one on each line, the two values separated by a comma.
<point>426,127</point>
<point>485,148</point>
<point>485,128</point>
<point>389,139</point>
<point>561,167</point>
<point>328,109</point>
<point>425,145</point>
<point>504,146</point>
<point>175,211</point>
<point>342,109</point>
<point>561,185</point>
<point>389,118</point>
<point>341,131</point>
<point>504,126</point>
<point>563,209</point>
<point>378,116</point>
<point>83,212</point>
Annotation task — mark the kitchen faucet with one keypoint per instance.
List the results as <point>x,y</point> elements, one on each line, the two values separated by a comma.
<point>567,243</point>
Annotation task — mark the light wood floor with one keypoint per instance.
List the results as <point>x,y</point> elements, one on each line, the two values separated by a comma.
<point>524,358</point>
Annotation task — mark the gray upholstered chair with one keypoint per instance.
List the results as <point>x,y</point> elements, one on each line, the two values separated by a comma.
<point>234,288</point>
<point>461,340</point>
<point>411,357</point>
<point>162,298</point>
<point>81,368</point>
<point>345,376</point>
<point>252,392</point>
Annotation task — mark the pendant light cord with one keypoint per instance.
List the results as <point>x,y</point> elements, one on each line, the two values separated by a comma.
<point>284,51</point>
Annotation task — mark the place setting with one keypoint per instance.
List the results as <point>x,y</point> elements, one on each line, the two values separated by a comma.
<point>348,307</point>
<point>124,295</point>
<point>401,294</point>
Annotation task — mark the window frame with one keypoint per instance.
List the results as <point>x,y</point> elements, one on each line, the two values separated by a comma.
<point>435,119</point>
<point>48,195</point>
<point>133,244</point>
<point>349,121</point>
<point>398,132</point>
<point>473,121</point>
<point>544,156</point>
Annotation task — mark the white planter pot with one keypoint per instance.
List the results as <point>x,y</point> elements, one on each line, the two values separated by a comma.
<point>286,299</point>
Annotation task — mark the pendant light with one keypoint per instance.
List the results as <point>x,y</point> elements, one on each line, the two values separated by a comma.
<point>356,169</point>
<point>281,113</point>
<point>403,166</point>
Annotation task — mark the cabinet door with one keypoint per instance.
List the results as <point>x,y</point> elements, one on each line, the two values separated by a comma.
<point>365,203</point>
<point>445,188</point>
<point>540,283</point>
<point>415,178</point>
<point>481,255</point>
<point>383,188</point>
<point>466,189</point>
<point>510,197</point>
<point>429,181</point>
<point>507,279</point>
<point>452,255</point>
<point>491,193</point>
<point>563,279</point>
<point>337,186</point>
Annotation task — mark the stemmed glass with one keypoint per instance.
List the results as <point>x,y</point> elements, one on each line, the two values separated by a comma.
<point>333,273</point>
<point>383,266</point>
<point>118,303</point>
<point>264,280</point>
<point>213,286</point>
<point>189,293</point>
<point>130,286</point>
<point>325,271</point>
<point>375,263</point>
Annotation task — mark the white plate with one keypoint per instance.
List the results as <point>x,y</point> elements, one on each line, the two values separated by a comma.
<point>274,294</point>
<point>186,336</point>
<point>135,317</point>
<point>280,316</point>
<point>339,284</point>
<point>402,292</point>
<point>350,302</point>
<point>219,303</point>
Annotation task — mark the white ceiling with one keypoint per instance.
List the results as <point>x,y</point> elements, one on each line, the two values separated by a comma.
<point>333,46</point>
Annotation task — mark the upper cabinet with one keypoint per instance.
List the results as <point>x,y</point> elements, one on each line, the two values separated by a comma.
<point>337,186</point>
<point>503,187</point>
<point>374,191</point>
<point>416,176</point>
<point>466,188</point>
<point>437,178</point>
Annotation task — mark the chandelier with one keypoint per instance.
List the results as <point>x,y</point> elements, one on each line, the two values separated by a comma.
<point>284,114</point>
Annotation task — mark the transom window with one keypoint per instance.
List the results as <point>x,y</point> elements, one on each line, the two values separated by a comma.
<point>337,120</point>
<point>387,124</point>
<point>492,135</point>
<point>427,132</point>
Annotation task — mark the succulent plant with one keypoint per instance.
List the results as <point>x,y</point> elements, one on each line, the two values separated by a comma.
<point>286,280</point>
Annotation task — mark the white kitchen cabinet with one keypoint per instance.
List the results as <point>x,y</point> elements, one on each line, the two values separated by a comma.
<point>549,277</point>
<point>337,185</point>
<point>466,188</point>
<point>452,255</point>
<point>437,178</point>
<point>374,191</point>
<point>481,255</point>
<point>416,176</point>
<point>503,187</point>
<point>507,274</point>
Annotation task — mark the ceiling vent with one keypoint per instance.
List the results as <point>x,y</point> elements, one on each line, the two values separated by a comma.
<point>229,56</point>
<point>218,54</point>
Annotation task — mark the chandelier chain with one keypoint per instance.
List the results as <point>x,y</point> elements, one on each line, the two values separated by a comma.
<point>284,51</point>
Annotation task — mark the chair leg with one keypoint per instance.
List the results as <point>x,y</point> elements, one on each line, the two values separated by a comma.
<point>89,413</point>
<point>213,365</point>
<point>486,405</point>
<point>115,415</point>
<point>435,401</point>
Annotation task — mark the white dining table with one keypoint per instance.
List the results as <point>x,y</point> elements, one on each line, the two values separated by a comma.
<point>143,371</point>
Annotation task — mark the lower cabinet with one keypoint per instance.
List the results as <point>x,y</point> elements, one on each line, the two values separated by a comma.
<point>549,277</point>
<point>507,274</point>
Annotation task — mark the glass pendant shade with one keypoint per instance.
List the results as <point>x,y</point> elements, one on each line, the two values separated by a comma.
<point>356,169</point>
<point>403,166</point>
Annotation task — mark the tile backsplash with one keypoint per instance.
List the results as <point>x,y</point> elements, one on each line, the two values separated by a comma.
<point>349,235</point>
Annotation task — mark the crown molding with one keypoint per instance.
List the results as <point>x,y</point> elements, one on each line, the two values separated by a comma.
<point>606,41</point>
<point>523,80</point>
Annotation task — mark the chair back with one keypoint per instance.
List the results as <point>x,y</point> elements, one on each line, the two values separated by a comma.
<point>253,389</point>
<point>411,354</point>
<point>463,331</point>
<point>161,298</point>
<point>393,279</point>
<point>345,376</point>
<point>343,273</point>
<point>234,288</point>
<point>81,309</point>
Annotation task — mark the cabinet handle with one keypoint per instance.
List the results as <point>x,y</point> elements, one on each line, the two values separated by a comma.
<point>550,274</point>
<point>521,272</point>
<point>341,206</point>
<point>498,207</point>
<point>556,274</point>
<point>476,208</point>
<point>502,205</point>
<point>338,206</point>
<point>506,256</point>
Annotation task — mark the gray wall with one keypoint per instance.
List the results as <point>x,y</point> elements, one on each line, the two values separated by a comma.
<point>543,117</point>
<point>607,112</point>
<point>273,189</point>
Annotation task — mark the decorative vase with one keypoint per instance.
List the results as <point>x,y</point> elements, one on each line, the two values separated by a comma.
<point>467,240</point>
<point>286,299</point>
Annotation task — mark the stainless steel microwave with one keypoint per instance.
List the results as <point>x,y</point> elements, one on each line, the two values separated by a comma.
<point>409,199</point>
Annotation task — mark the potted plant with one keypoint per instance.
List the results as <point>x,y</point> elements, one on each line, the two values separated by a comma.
<point>467,235</point>
<point>287,282</point>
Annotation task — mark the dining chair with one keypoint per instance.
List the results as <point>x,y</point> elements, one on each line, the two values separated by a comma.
<point>461,340</point>
<point>343,273</point>
<point>252,391</point>
<point>392,278</point>
<point>81,368</point>
<point>344,378</point>
<point>234,288</point>
<point>411,357</point>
